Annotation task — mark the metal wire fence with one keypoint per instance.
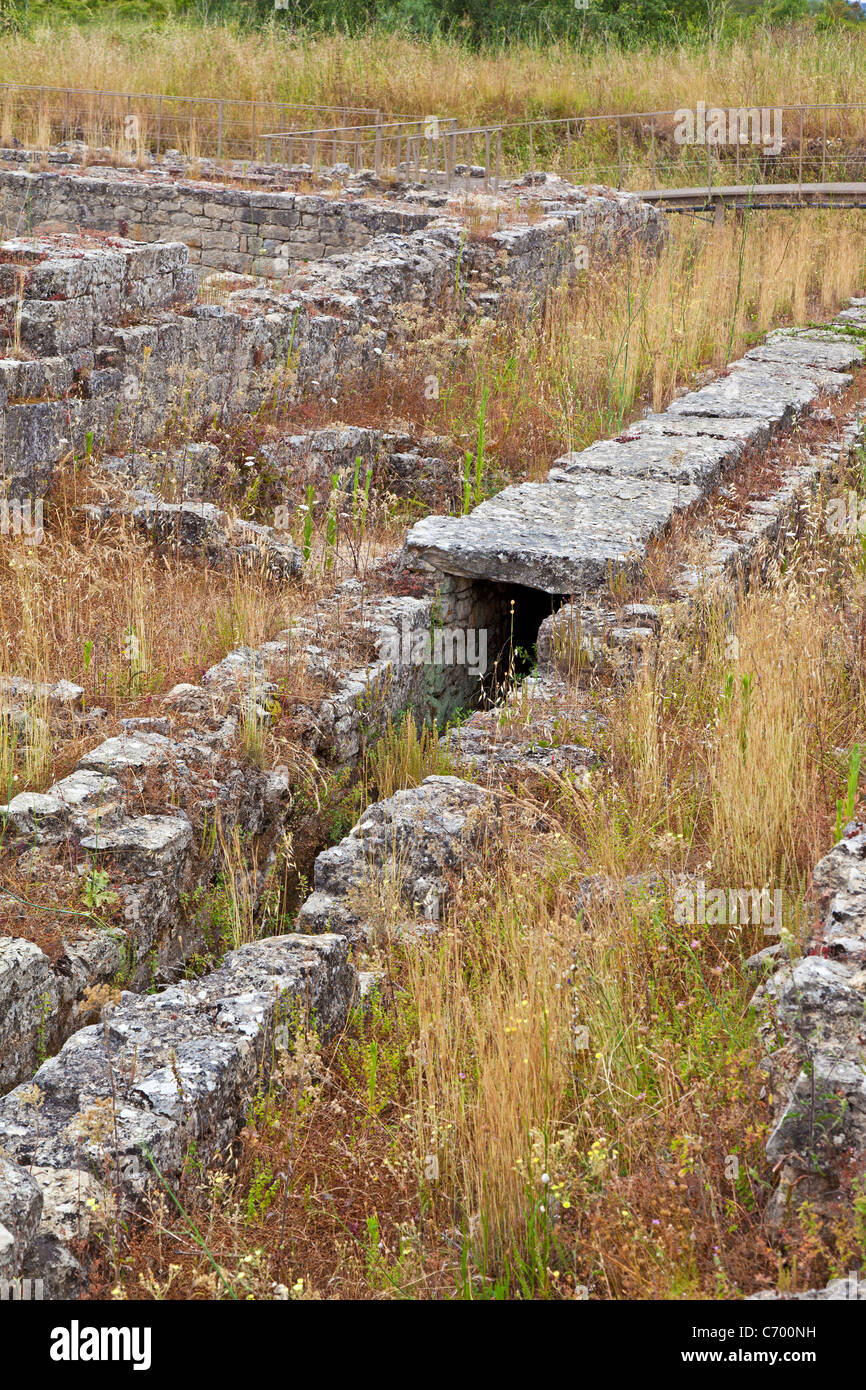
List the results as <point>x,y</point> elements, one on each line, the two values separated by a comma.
<point>222,127</point>
<point>707,148</point>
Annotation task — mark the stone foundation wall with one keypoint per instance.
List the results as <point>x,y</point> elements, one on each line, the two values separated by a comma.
<point>262,233</point>
<point>157,860</point>
<point>107,337</point>
<point>173,1069</point>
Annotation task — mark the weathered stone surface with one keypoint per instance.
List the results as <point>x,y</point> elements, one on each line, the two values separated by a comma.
<point>697,459</point>
<point>126,752</point>
<point>529,743</point>
<point>28,991</point>
<point>411,842</point>
<point>189,699</point>
<point>35,813</point>
<point>561,537</point>
<point>93,799</point>
<point>738,429</point>
<point>158,841</point>
<point>167,1070</point>
<point>20,1210</point>
<point>806,350</point>
<point>752,392</point>
<point>818,1003</point>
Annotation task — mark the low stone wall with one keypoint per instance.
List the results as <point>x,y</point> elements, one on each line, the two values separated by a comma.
<point>271,232</point>
<point>106,337</point>
<point>124,1100</point>
<point>818,1075</point>
<point>599,509</point>
<point>257,232</point>
<point>186,760</point>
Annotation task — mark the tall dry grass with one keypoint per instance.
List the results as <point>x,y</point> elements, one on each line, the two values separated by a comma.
<point>638,328</point>
<point>100,607</point>
<point>399,74</point>
<point>725,767</point>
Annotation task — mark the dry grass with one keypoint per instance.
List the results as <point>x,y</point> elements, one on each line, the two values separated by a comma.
<point>393,73</point>
<point>398,74</point>
<point>98,606</point>
<point>469,1138</point>
<point>626,337</point>
<point>109,614</point>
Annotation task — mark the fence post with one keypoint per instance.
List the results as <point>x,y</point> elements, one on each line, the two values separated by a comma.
<point>158,125</point>
<point>220,129</point>
<point>653,148</point>
<point>800,170</point>
<point>377,154</point>
<point>823,141</point>
<point>253,132</point>
<point>531,150</point>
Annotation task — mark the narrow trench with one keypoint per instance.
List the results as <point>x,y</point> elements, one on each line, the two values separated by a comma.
<point>511,656</point>
<point>521,612</point>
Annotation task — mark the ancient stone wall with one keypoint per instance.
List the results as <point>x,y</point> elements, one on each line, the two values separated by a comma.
<point>108,335</point>
<point>197,1055</point>
<point>260,232</point>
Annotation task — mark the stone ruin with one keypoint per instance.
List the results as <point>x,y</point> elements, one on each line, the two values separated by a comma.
<point>106,335</point>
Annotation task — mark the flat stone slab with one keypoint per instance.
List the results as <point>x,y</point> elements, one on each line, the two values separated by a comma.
<point>855,314</point>
<point>828,352</point>
<point>158,837</point>
<point>751,392</point>
<point>32,812</point>
<point>778,364</point>
<point>85,788</point>
<point>697,459</point>
<point>126,751</point>
<point>738,428</point>
<point>560,537</point>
